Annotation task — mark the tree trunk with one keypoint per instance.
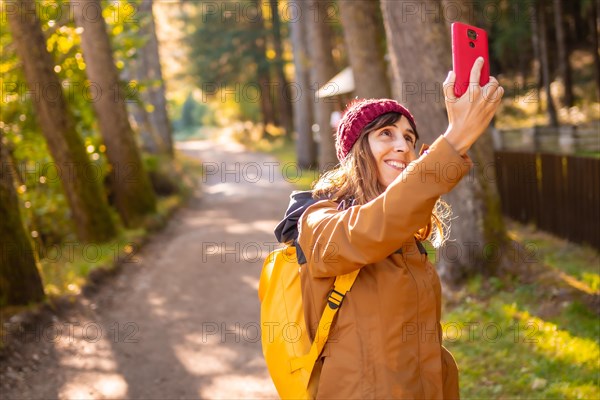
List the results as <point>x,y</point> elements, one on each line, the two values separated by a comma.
<point>545,62</point>
<point>579,20</point>
<point>594,24</point>
<point>147,136</point>
<point>284,105</point>
<point>537,58</point>
<point>20,282</point>
<point>360,22</point>
<point>86,199</point>
<point>151,73</point>
<point>263,75</point>
<point>303,111</point>
<point>266,100</point>
<point>133,193</point>
<point>563,53</point>
<point>475,199</point>
<point>321,71</point>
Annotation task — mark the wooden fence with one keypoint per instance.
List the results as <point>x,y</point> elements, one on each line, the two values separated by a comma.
<point>558,193</point>
<point>566,139</point>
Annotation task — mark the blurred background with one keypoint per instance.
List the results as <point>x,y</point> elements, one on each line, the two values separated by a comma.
<point>96,95</point>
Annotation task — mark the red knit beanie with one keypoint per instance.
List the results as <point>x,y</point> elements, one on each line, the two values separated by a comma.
<point>358,115</point>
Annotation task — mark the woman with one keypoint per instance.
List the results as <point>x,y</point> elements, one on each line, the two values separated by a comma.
<point>371,213</point>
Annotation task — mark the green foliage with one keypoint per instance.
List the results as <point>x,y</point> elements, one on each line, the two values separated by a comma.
<point>229,53</point>
<point>46,214</point>
<point>194,114</point>
<point>45,210</point>
<point>188,119</point>
<point>125,24</point>
<point>508,24</point>
<point>224,42</point>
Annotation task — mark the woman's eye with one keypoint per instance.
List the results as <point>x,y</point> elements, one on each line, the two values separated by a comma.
<point>408,138</point>
<point>386,132</point>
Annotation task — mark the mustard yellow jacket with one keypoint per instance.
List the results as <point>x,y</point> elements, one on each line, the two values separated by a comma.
<point>386,339</point>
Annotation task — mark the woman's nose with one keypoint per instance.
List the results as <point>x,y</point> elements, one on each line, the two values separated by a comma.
<point>401,145</point>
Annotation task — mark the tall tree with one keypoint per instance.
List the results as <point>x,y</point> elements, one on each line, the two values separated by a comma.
<point>133,193</point>
<point>474,200</point>
<point>148,136</point>
<point>234,59</point>
<point>303,111</point>
<point>545,61</point>
<point>86,198</point>
<point>149,71</point>
<point>147,133</point>
<point>20,281</point>
<point>361,22</point>
<point>594,15</point>
<point>259,46</point>
<point>537,58</point>
<point>322,68</point>
<point>284,105</point>
<point>562,45</point>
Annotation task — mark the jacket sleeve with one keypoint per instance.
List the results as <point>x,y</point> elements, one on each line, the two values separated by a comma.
<point>338,242</point>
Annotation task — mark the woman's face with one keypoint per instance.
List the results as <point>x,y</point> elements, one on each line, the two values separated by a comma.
<point>393,148</point>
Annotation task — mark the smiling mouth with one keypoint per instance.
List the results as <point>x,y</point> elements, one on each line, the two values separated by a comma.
<point>397,165</point>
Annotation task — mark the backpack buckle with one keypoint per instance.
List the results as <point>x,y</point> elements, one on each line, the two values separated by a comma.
<point>335,299</point>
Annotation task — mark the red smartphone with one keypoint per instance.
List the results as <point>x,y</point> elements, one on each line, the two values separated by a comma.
<point>468,43</point>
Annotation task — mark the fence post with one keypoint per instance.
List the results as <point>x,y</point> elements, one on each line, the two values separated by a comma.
<point>497,138</point>
<point>528,138</point>
<point>566,138</point>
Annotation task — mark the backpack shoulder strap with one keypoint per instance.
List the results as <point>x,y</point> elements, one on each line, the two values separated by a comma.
<point>342,285</point>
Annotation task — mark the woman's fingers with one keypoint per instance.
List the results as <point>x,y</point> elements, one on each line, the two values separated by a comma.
<point>476,71</point>
<point>448,86</point>
<point>493,92</point>
<point>501,90</point>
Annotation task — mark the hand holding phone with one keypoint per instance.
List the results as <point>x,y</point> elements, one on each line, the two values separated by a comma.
<point>468,44</point>
<point>469,116</point>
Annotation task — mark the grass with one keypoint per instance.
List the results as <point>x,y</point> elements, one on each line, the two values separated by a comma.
<point>517,340</point>
<point>66,268</point>
<point>577,264</point>
<point>505,350</point>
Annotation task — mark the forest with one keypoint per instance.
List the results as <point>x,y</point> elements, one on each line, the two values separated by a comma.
<point>100,99</point>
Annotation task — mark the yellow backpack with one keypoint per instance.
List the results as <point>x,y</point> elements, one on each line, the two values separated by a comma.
<point>289,354</point>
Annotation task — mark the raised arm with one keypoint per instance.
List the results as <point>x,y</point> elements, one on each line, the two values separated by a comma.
<point>337,242</point>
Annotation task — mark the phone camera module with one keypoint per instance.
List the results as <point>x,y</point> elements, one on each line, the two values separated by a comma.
<point>472,45</point>
<point>471,34</point>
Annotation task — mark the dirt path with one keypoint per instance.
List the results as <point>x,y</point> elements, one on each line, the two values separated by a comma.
<point>183,321</point>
